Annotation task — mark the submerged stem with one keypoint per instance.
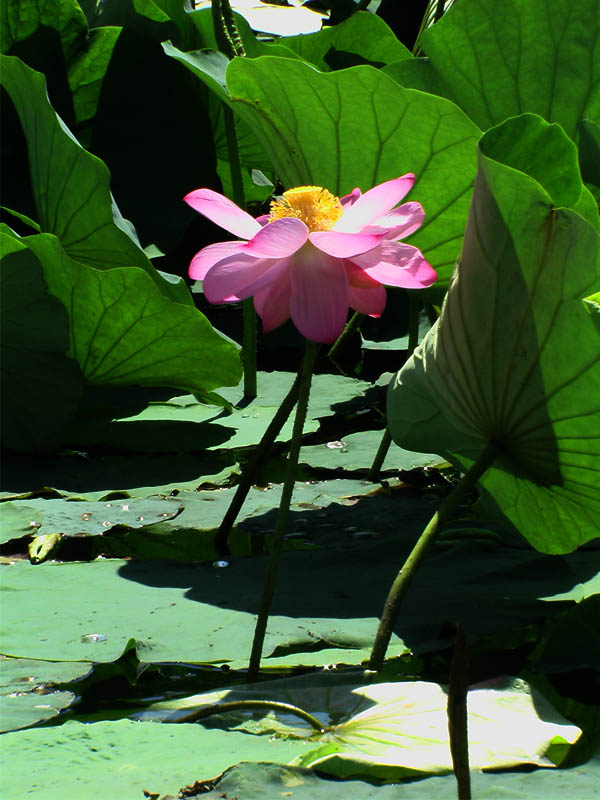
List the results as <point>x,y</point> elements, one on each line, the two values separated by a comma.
<point>250,468</point>
<point>308,363</point>
<point>267,705</point>
<point>426,539</point>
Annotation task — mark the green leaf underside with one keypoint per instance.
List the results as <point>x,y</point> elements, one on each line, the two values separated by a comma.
<point>532,387</point>
<point>392,730</point>
<point>500,60</point>
<point>301,116</point>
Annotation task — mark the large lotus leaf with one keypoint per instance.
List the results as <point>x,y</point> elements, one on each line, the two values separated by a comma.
<point>387,731</point>
<point>105,476</point>
<point>329,394</point>
<point>41,386</point>
<point>358,127</point>
<point>257,781</point>
<point>159,603</point>
<point>123,759</point>
<point>124,331</point>
<point>501,59</point>
<point>514,357</point>
<point>96,608</point>
<point>182,424</point>
<point>363,38</point>
<point>406,732</point>
<point>172,427</point>
<point>85,518</point>
<point>71,187</point>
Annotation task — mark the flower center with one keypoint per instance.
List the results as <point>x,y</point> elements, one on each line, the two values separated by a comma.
<point>316,207</point>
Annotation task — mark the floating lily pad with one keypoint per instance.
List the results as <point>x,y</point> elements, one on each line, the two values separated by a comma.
<point>25,697</point>
<point>388,731</point>
<point>17,520</point>
<point>357,451</point>
<point>85,518</point>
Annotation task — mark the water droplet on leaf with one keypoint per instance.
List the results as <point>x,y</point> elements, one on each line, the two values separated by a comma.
<point>94,637</point>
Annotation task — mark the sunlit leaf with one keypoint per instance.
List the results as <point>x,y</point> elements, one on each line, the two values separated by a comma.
<point>301,117</point>
<point>387,731</point>
<point>501,59</point>
<point>363,38</point>
<point>515,358</point>
<point>124,331</point>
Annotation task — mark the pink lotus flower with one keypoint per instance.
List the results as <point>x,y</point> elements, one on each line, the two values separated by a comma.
<point>314,255</point>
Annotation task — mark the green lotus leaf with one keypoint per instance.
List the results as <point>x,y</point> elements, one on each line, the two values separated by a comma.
<point>124,331</point>
<point>41,384</point>
<point>514,358</point>
<point>500,60</point>
<point>302,116</point>
<point>388,731</point>
<point>363,38</point>
<point>71,187</point>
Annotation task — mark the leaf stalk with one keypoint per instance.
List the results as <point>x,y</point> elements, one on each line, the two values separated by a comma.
<point>306,372</point>
<point>426,539</point>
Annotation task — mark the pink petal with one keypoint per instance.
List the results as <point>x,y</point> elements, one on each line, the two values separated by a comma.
<point>358,277</point>
<point>273,304</point>
<point>344,245</point>
<point>350,199</point>
<point>223,212</point>
<point>397,264</point>
<point>209,256</point>
<point>375,203</point>
<point>367,301</point>
<point>231,276</point>
<point>278,272</point>
<point>402,221</point>
<point>319,298</point>
<point>278,239</point>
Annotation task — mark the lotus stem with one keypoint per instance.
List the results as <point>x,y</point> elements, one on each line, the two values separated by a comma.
<point>267,705</point>
<point>250,468</point>
<point>306,372</point>
<point>230,43</point>
<point>426,539</point>
<point>457,714</point>
<point>414,306</point>
<point>351,325</point>
<point>226,30</point>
